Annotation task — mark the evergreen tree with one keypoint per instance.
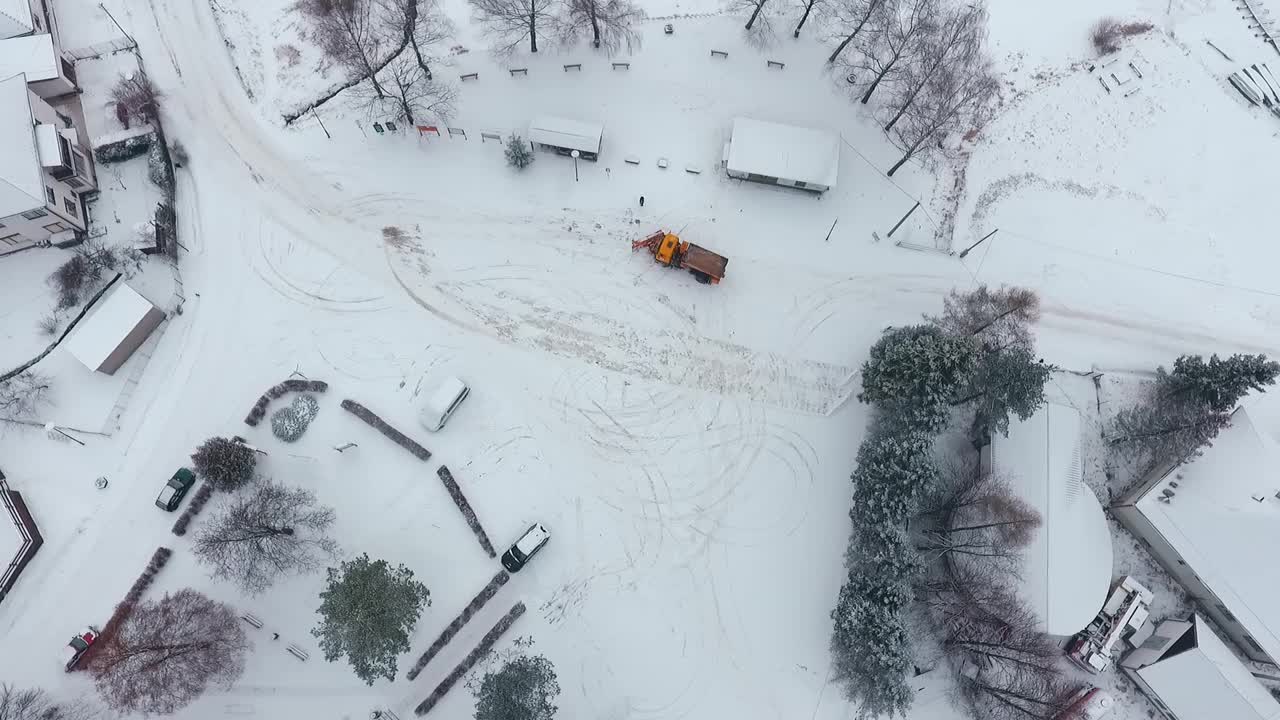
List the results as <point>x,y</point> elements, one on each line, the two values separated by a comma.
<point>915,371</point>
<point>870,648</point>
<point>1157,431</point>
<point>367,613</point>
<point>224,462</point>
<point>894,472</point>
<point>1217,384</point>
<point>518,153</point>
<point>524,689</point>
<point>1008,380</point>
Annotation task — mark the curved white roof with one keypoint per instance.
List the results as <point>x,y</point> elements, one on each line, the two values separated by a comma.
<point>1066,570</point>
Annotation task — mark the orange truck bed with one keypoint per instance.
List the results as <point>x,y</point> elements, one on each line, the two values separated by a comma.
<point>704,261</point>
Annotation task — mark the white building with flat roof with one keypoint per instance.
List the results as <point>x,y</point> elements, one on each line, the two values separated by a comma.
<point>784,155</point>
<point>1066,571</point>
<point>1191,674</point>
<point>1214,523</point>
<point>564,136</point>
<point>116,327</point>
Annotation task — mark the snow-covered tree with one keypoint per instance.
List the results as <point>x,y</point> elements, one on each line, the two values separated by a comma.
<point>407,93</point>
<point>870,646</point>
<point>917,369</point>
<point>895,471</point>
<point>957,99</point>
<point>1005,381</point>
<point>507,23</point>
<point>998,318</point>
<point>849,19</point>
<point>1155,432</point>
<point>167,652</point>
<point>518,153</point>
<point>24,394</point>
<point>224,462</point>
<point>1217,384</point>
<point>958,38</point>
<point>271,531</point>
<point>611,24</point>
<point>367,612</point>
<point>885,53</point>
<point>36,704</point>
<point>524,688</point>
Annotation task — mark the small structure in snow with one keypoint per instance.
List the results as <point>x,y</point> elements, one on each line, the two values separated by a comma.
<point>564,136</point>
<point>784,155</point>
<point>1124,617</point>
<point>1191,674</point>
<point>121,322</point>
<point>1214,523</point>
<point>1067,569</point>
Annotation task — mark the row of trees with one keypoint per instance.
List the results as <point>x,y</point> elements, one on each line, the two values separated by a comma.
<point>917,378</point>
<point>608,24</point>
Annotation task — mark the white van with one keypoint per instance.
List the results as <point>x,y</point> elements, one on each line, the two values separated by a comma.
<point>443,402</point>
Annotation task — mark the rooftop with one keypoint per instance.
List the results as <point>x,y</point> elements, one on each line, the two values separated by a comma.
<point>784,151</point>
<point>1225,533</point>
<point>1066,571</point>
<point>564,133</point>
<point>15,18</point>
<point>1208,682</point>
<point>30,54</point>
<point>21,180</point>
<point>102,331</point>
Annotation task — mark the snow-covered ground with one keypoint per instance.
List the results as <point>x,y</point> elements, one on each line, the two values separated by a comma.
<point>688,447</point>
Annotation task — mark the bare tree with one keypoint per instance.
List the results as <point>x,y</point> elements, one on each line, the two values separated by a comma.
<point>1000,318</point>
<point>887,52</point>
<point>136,98</point>
<point>24,394</point>
<point>167,652</point>
<point>271,531</point>
<point>956,95</point>
<point>36,704</point>
<point>428,26</point>
<point>959,37</point>
<point>757,12</point>
<point>410,93</point>
<point>359,35</point>
<point>808,8</point>
<point>508,22</point>
<point>1026,694</point>
<point>611,23</point>
<point>853,17</point>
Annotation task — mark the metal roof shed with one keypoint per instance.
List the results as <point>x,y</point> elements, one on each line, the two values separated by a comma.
<point>109,335</point>
<point>783,155</point>
<point>565,136</point>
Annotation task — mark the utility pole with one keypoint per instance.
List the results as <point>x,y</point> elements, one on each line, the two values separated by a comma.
<point>904,219</point>
<point>113,22</point>
<point>322,127</point>
<point>984,237</point>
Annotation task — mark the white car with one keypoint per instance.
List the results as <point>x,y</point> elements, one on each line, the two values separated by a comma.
<point>442,403</point>
<point>526,547</point>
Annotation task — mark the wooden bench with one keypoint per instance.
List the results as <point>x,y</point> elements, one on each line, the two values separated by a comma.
<point>622,66</point>
<point>298,652</point>
<point>719,54</point>
<point>631,160</point>
<point>573,66</point>
<point>518,71</point>
<point>775,64</point>
<point>252,620</point>
<point>470,76</point>
<point>490,136</point>
<point>693,169</point>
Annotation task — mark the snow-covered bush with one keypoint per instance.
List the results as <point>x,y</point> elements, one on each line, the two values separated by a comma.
<point>455,493</point>
<point>126,149</point>
<point>224,462</point>
<point>460,621</point>
<point>386,429</point>
<point>289,423</point>
<point>518,153</point>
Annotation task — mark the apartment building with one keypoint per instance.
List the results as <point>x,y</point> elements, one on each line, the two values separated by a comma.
<point>46,169</point>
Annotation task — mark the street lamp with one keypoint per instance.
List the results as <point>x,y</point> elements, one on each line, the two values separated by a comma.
<point>575,155</point>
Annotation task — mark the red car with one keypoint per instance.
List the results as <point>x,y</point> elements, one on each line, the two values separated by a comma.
<point>79,644</point>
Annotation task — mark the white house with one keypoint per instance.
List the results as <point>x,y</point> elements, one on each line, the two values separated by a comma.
<point>1214,524</point>
<point>784,155</point>
<point>1190,674</point>
<point>120,322</point>
<point>564,136</point>
<point>1066,571</point>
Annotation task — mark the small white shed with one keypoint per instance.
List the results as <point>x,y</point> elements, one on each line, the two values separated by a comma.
<point>564,136</point>
<point>784,155</point>
<point>113,330</point>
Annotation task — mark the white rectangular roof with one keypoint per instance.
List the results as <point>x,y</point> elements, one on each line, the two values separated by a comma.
<point>560,132</point>
<point>15,18</point>
<point>784,151</point>
<point>31,54</point>
<point>21,178</point>
<point>1066,573</point>
<point>101,332</point>
<point>1208,682</point>
<point>1226,536</point>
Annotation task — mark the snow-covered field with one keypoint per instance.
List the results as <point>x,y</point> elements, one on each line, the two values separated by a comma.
<point>687,446</point>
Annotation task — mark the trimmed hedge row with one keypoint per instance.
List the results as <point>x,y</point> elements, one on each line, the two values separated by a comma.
<point>486,644</point>
<point>386,429</point>
<point>193,508</point>
<point>157,561</point>
<point>459,621</point>
<point>279,390</point>
<point>460,500</point>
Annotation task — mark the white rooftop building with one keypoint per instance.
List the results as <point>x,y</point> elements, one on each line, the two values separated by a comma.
<point>120,322</point>
<point>1192,675</point>
<point>782,155</point>
<point>1066,571</point>
<point>564,136</point>
<point>16,18</point>
<point>1214,524</point>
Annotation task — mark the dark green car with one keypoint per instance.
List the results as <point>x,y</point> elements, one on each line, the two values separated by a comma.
<point>171,496</point>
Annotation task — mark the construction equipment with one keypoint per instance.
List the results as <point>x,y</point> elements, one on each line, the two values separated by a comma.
<point>668,249</point>
<point>1123,617</point>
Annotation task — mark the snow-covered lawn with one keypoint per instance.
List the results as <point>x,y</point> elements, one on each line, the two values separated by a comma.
<point>687,446</point>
